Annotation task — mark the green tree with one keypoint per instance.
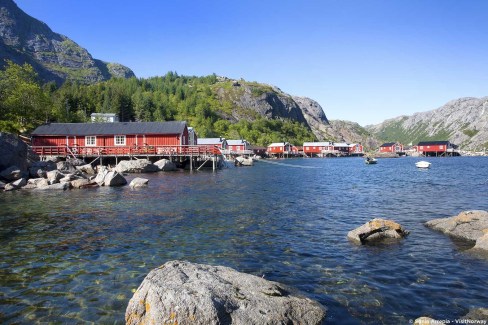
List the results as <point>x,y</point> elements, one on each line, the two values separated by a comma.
<point>23,103</point>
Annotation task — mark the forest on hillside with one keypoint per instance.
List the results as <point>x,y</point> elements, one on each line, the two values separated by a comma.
<point>25,103</point>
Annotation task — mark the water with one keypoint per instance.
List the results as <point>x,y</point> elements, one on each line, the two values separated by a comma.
<point>77,256</point>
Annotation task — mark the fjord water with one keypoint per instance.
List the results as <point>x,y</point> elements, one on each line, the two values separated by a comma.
<point>77,256</point>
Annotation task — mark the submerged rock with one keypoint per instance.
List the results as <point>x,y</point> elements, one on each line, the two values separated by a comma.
<point>139,182</point>
<point>185,293</point>
<point>467,225</point>
<point>377,229</point>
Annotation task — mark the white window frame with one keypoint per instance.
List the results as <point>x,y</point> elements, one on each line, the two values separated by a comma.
<point>89,142</point>
<point>119,137</point>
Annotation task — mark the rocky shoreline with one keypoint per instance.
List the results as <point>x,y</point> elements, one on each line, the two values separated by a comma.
<point>21,169</point>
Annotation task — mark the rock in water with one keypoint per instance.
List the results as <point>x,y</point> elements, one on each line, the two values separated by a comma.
<point>180,292</point>
<point>165,165</point>
<point>136,166</point>
<point>139,182</point>
<point>377,229</point>
<point>471,226</point>
<point>114,179</point>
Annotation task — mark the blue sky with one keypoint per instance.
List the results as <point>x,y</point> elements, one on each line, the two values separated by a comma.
<point>362,60</point>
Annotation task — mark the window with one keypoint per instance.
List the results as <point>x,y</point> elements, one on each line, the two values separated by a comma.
<point>119,140</point>
<point>90,141</point>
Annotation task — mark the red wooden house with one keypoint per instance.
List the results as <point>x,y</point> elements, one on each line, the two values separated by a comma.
<point>436,148</point>
<point>279,148</point>
<point>110,138</point>
<point>317,148</point>
<point>238,145</point>
<point>356,149</point>
<point>391,147</point>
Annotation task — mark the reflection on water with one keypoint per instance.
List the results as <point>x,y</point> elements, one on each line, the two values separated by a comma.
<point>77,256</point>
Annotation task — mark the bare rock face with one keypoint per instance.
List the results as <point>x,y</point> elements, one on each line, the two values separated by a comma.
<point>13,152</point>
<point>468,225</point>
<point>185,293</point>
<point>377,229</point>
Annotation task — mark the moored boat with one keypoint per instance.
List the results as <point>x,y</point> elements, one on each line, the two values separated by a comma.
<point>422,164</point>
<point>370,161</point>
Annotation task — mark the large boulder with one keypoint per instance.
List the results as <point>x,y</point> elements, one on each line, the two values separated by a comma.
<point>114,178</point>
<point>13,152</point>
<point>54,176</point>
<point>15,185</point>
<point>136,166</point>
<point>58,186</point>
<point>376,230</point>
<point>165,165</point>
<point>100,178</point>
<point>185,293</point>
<point>467,225</point>
<point>87,169</point>
<point>66,166</point>
<point>39,168</point>
<point>13,173</point>
<point>83,183</point>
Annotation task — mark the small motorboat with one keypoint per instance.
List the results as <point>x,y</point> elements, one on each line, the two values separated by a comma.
<point>422,164</point>
<point>370,161</point>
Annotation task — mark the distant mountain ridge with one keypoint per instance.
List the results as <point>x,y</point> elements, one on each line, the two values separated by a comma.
<point>24,39</point>
<point>462,121</point>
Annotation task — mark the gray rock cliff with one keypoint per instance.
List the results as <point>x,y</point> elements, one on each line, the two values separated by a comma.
<point>24,39</point>
<point>462,121</point>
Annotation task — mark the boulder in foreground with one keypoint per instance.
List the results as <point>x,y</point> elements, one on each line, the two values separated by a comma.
<point>376,230</point>
<point>468,225</point>
<point>180,292</point>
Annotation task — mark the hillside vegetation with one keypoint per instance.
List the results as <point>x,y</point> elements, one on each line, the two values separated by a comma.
<point>209,105</point>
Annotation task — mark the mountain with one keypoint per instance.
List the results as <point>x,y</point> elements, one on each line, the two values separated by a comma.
<point>462,121</point>
<point>251,98</point>
<point>24,39</point>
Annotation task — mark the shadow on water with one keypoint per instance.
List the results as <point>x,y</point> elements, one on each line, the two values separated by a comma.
<point>77,256</point>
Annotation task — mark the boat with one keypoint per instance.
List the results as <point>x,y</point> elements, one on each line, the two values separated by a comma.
<point>370,161</point>
<point>422,164</point>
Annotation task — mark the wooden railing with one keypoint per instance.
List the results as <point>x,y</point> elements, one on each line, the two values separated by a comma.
<point>60,151</point>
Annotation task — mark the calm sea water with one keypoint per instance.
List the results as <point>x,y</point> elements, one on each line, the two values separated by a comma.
<point>77,256</point>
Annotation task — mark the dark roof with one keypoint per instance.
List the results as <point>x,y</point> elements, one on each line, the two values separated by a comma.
<point>176,127</point>
<point>388,144</point>
<point>433,143</point>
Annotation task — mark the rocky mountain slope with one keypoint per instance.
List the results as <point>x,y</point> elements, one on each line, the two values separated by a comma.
<point>24,39</point>
<point>250,98</point>
<point>462,121</point>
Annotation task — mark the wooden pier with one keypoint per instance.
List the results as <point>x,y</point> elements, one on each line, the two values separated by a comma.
<point>189,156</point>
